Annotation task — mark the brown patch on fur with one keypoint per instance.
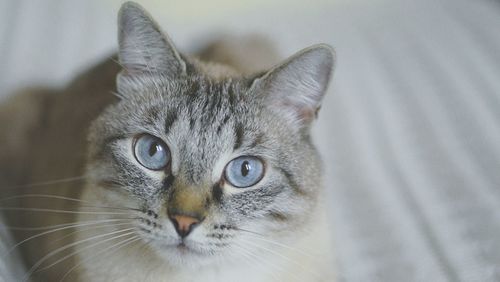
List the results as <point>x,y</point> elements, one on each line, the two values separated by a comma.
<point>186,201</point>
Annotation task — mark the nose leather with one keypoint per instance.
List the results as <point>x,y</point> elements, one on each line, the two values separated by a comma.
<point>184,224</point>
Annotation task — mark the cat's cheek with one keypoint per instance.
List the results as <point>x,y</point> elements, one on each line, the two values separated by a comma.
<point>220,165</point>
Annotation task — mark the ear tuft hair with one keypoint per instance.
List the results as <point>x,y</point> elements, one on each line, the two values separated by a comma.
<point>296,87</point>
<point>143,48</point>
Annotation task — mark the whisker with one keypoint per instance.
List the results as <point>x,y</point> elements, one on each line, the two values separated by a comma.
<point>23,196</point>
<point>117,247</point>
<point>248,231</point>
<point>46,183</point>
<point>257,260</point>
<point>64,198</point>
<point>9,227</point>
<point>85,248</point>
<point>63,228</point>
<point>117,95</point>
<point>87,229</point>
<point>283,257</point>
<point>59,211</point>
<point>275,266</point>
<point>262,238</point>
<point>58,250</point>
<point>117,62</point>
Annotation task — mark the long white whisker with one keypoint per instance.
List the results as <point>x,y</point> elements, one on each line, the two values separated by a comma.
<point>54,226</point>
<point>58,250</point>
<point>117,95</point>
<point>262,238</point>
<point>45,183</point>
<point>118,62</point>
<point>117,247</point>
<point>64,198</point>
<point>85,248</point>
<point>257,260</point>
<point>63,227</point>
<point>283,257</point>
<point>87,228</point>
<point>23,196</point>
<point>144,246</point>
<point>59,211</point>
<point>277,267</point>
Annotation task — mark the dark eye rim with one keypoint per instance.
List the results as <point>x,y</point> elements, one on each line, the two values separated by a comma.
<point>134,143</point>
<point>264,170</point>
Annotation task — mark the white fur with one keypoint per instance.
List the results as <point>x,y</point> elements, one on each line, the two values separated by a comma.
<point>308,257</point>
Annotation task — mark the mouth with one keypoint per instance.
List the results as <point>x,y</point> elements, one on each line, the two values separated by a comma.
<point>183,248</point>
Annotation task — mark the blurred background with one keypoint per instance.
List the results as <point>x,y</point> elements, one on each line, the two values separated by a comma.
<point>409,133</point>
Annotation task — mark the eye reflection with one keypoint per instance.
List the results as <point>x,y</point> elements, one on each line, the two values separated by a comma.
<point>151,152</point>
<point>244,172</point>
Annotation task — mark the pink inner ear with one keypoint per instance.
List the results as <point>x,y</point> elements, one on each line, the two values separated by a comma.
<point>304,114</point>
<point>307,114</point>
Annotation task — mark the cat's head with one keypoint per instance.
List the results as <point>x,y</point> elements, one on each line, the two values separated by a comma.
<point>215,166</point>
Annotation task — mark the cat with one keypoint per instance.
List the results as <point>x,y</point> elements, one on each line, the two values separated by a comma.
<point>192,171</point>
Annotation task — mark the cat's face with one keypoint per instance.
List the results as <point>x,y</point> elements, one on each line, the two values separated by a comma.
<point>214,167</point>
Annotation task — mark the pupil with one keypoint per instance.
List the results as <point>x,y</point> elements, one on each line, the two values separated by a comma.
<point>154,149</point>
<point>245,168</point>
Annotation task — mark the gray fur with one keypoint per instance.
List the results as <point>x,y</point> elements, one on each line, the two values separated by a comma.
<point>207,114</point>
<point>206,121</point>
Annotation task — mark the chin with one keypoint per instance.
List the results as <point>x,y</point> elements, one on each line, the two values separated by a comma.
<point>183,254</point>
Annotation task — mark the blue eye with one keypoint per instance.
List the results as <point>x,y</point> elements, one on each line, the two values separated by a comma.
<point>151,152</point>
<point>244,171</point>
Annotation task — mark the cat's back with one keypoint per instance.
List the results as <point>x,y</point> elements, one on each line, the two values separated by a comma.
<point>43,138</point>
<point>48,127</point>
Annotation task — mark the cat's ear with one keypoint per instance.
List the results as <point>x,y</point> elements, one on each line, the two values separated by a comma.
<point>295,88</point>
<point>143,48</point>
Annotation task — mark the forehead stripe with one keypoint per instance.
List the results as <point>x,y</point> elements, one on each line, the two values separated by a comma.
<point>169,120</point>
<point>238,131</point>
<point>291,181</point>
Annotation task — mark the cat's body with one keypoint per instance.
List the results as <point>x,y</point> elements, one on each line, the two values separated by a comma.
<point>43,137</point>
<point>276,232</point>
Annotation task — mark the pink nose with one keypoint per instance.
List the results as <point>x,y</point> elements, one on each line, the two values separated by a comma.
<point>184,224</point>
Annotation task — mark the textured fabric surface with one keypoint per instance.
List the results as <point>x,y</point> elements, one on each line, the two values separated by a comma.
<point>410,131</point>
